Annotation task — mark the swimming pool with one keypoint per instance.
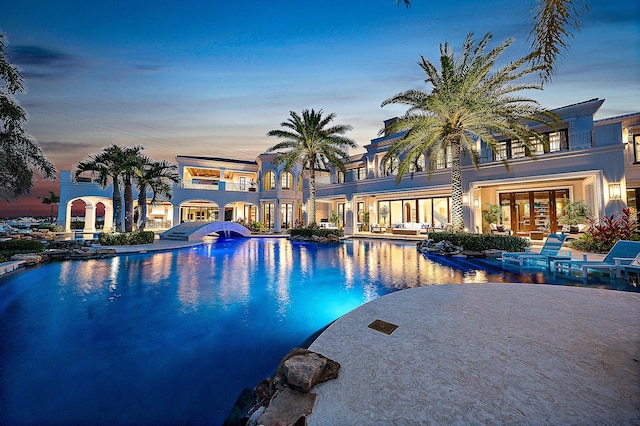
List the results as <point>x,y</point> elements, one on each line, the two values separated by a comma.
<point>174,337</point>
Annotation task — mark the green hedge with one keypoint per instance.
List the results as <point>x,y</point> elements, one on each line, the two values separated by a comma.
<point>26,246</point>
<point>9,248</point>
<point>320,232</point>
<point>126,238</point>
<point>481,242</point>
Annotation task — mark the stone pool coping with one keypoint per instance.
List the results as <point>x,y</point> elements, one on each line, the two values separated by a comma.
<point>485,353</point>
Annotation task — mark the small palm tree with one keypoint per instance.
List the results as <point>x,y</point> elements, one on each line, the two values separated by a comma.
<point>467,102</point>
<point>309,141</point>
<point>156,176</point>
<point>106,167</point>
<point>51,199</point>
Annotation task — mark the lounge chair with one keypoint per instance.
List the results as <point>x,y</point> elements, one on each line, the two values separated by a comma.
<point>622,253</point>
<point>550,251</point>
<point>632,267</point>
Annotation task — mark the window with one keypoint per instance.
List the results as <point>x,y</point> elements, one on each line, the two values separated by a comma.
<point>340,176</point>
<point>268,209</point>
<point>443,159</point>
<point>362,173</point>
<point>286,215</point>
<point>550,142</point>
<point>286,180</point>
<point>636,148</point>
<point>243,183</point>
<point>501,152</point>
<point>269,181</point>
<point>418,165</point>
<point>389,167</point>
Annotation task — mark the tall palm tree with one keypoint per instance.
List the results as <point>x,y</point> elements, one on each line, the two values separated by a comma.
<point>106,167</point>
<point>468,101</point>
<point>156,176</point>
<point>309,141</point>
<point>552,23</point>
<point>19,152</point>
<point>51,199</point>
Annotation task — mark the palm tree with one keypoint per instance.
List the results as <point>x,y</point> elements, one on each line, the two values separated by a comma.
<point>51,199</point>
<point>19,152</point>
<point>106,167</point>
<point>132,159</point>
<point>156,176</point>
<point>552,22</point>
<point>467,102</point>
<point>309,141</point>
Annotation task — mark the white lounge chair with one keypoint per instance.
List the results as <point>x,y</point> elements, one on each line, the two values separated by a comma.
<point>550,252</point>
<point>622,253</point>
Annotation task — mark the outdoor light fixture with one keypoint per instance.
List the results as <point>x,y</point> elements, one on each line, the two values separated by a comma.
<point>465,199</point>
<point>614,191</point>
<point>476,203</point>
<point>348,205</point>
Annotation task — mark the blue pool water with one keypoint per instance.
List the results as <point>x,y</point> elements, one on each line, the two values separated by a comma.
<point>174,337</point>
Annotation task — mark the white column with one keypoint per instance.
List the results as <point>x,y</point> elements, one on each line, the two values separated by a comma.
<point>89,218</point>
<point>108,217</point>
<point>67,221</point>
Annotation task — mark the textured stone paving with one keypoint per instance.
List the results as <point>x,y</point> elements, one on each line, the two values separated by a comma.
<point>485,354</point>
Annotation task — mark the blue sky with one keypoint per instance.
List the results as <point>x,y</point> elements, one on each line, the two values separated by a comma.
<point>212,78</point>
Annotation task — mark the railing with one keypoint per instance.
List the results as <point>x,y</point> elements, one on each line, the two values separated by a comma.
<point>210,187</point>
<point>323,181</point>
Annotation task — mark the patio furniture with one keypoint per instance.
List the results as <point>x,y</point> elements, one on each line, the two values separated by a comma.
<point>621,254</point>
<point>633,267</point>
<point>499,229</point>
<point>550,252</point>
<point>375,227</point>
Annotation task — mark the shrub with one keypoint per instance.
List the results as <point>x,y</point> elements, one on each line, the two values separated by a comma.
<point>481,242</point>
<point>256,227</point>
<point>11,247</point>
<point>311,231</point>
<point>604,233</point>
<point>50,227</point>
<point>126,238</point>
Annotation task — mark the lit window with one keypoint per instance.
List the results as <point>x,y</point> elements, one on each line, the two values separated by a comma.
<point>340,176</point>
<point>269,181</point>
<point>286,180</point>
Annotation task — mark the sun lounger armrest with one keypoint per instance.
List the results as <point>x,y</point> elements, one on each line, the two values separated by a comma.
<point>623,260</point>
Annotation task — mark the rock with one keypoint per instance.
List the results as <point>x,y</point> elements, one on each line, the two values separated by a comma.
<point>303,371</point>
<point>329,371</point>
<point>287,407</point>
<point>105,251</point>
<point>243,404</point>
<point>253,419</point>
<point>29,258</point>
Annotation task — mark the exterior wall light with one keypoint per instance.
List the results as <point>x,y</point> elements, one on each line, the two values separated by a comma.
<point>476,203</point>
<point>615,192</point>
<point>465,199</point>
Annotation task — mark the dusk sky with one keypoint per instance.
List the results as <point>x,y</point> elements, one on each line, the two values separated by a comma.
<point>212,78</point>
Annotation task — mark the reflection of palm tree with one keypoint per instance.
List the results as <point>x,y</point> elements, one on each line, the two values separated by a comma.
<point>156,176</point>
<point>309,141</point>
<point>51,199</point>
<point>468,102</point>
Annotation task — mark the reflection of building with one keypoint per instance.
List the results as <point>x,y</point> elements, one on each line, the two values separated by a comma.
<point>583,159</point>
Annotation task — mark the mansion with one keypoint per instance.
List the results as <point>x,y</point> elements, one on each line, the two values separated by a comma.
<point>597,161</point>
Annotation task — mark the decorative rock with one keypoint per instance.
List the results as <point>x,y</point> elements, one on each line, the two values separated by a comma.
<point>287,407</point>
<point>29,258</point>
<point>303,371</point>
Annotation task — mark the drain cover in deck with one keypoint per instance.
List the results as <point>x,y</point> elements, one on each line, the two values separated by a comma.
<point>383,326</point>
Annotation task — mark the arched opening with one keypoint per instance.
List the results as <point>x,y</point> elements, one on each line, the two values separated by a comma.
<point>88,214</point>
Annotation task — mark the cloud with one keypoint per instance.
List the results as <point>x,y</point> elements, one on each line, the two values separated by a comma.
<point>65,147</point>
<point>42,63</point>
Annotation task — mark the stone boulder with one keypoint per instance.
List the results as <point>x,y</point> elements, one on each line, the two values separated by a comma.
<point>29,258</point>
<point>302,371</point>
<point>288,407</point>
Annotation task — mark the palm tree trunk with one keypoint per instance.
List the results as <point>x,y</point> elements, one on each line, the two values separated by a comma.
<point>142,209</point>
<point>312,196</point>
<point>116,198</point>
<point>128,205</point>
<point>457,212</point>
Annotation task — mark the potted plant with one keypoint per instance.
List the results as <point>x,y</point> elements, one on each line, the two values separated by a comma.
<point>384,212</point>
<point>364,218</point>
<point>493,213</point>
<point>333,217</point>
<point>574,213</point>
<point>252,185</point>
